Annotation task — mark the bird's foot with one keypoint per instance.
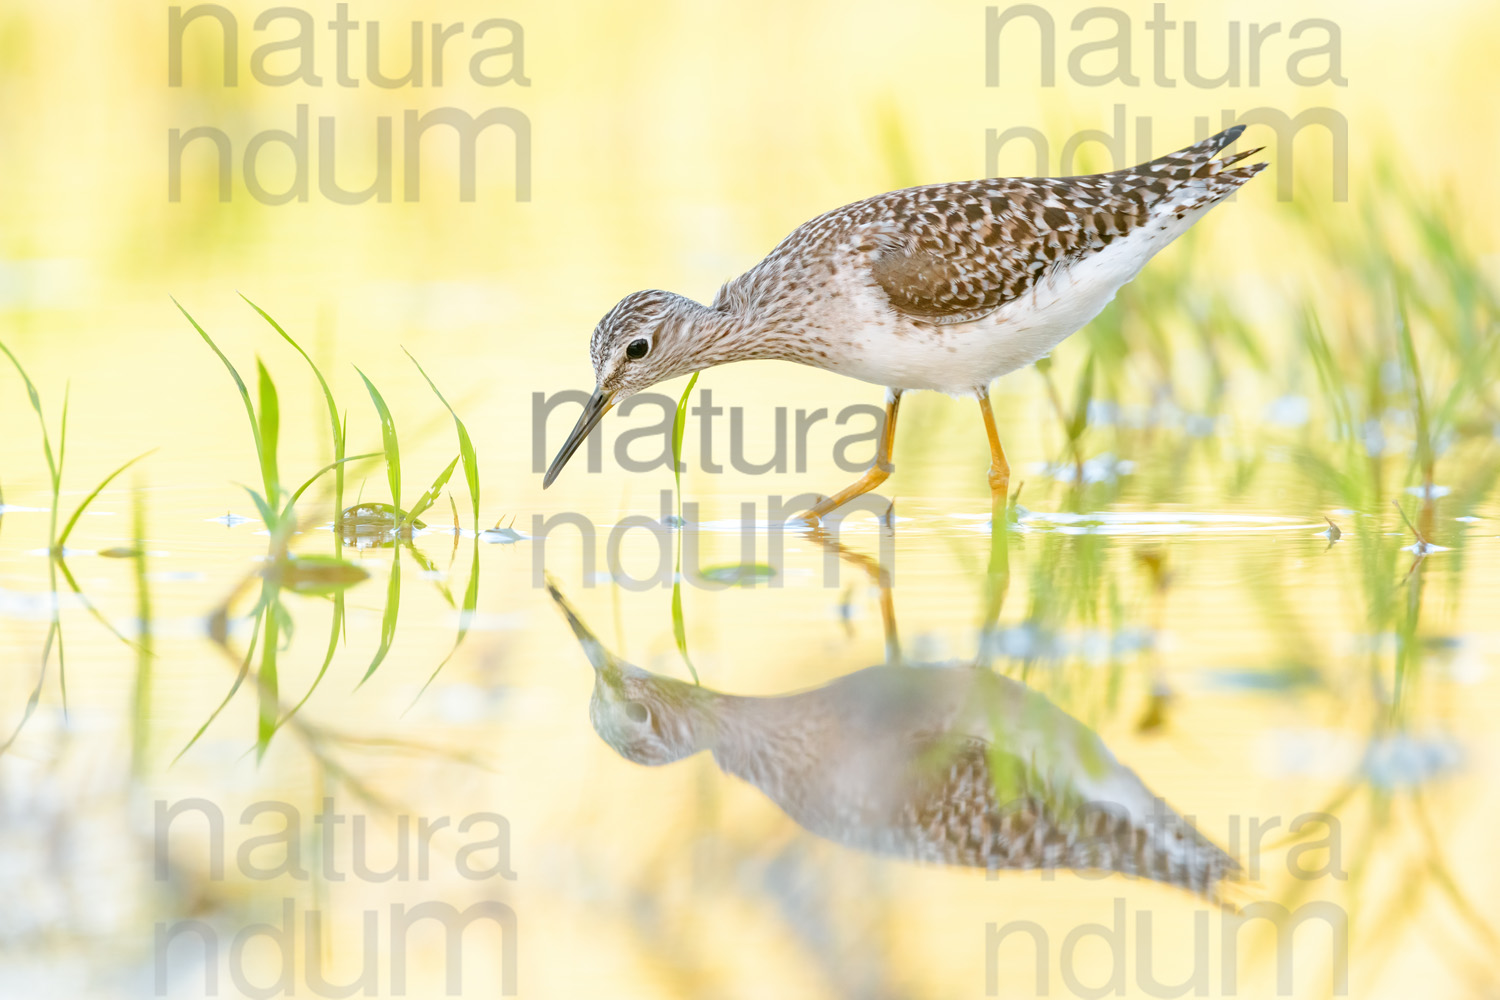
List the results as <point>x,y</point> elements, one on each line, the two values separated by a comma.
<point>812,518</point>
<point>876,475</point>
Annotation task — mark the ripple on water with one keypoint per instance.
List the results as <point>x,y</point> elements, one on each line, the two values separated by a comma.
<point>1136,523</point>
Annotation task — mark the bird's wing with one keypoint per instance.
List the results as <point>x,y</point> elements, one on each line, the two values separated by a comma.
<point>953,253</point>
<point>960,814</point>
<point>971,804</point>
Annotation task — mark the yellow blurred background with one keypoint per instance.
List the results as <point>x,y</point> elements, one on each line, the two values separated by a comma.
<point>671,145</point>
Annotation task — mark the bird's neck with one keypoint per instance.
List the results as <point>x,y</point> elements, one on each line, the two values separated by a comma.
<point>765,741</point>
<point>744,325</point>
<point>721,336</point>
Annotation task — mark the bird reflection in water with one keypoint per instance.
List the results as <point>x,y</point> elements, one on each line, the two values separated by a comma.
<point>953,765</point>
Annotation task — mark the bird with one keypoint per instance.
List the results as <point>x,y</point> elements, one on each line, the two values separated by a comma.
<point>942,287</point>
<point>950,765</point>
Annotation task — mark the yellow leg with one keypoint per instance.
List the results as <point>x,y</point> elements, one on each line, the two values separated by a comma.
<point>999,467</point>
<point>878,473</point>
<point>881,575</point>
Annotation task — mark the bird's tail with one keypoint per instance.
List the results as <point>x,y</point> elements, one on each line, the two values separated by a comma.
<point>1196,174</point>
<point>1167,849</point>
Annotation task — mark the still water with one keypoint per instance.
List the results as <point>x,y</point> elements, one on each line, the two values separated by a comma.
<point>1166,704</point>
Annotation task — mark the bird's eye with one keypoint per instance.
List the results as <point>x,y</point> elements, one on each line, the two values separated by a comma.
<point>637,349</point>
<point>637,712</point>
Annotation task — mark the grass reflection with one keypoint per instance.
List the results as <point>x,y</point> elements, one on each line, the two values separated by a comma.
<point>56,549</point>
<point>328,576</point>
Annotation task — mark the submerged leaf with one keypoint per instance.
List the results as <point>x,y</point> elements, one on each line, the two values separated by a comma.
<point>375,518</point>
<point>744,573</point>
<point>319,575</point>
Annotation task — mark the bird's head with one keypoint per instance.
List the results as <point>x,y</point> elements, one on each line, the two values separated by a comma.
<point>646,718</point>
<point>648,337</point>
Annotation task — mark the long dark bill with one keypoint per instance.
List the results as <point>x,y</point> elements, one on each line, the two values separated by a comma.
<point>594,410</point>
<point>602,659</point>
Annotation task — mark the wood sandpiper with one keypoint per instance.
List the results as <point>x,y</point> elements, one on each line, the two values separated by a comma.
<point>952,765</point>
<point>943,287</point>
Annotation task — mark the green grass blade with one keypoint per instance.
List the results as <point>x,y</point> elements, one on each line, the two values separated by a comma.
<point>238,382</point>
<point>266,513</point>
<point>269,683</point>
<point>62,450</point>
<point>430,568</point>
<point>233,688</point>
<point>62,664</point>
<point>140,729</point>
<point>1424,456</point>
<point>333,642</point>
<point>333,411</point>
<point>36,404</point>
<point>270,423</point>
<point>465,443</point>
<point>471,467</point>
<point>62,538</point>
<point>388,438</point>
<point>337,430</point>
<point>429,498</point>
<point>54,634</point>
<point>388,620</point>
<point>88,605</point>
<point>679,621</point>
<point>679,426</point>
<point>297,494</point>
<point>1084,397</point>
<point>465,619</point>
<point>338,488</point>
